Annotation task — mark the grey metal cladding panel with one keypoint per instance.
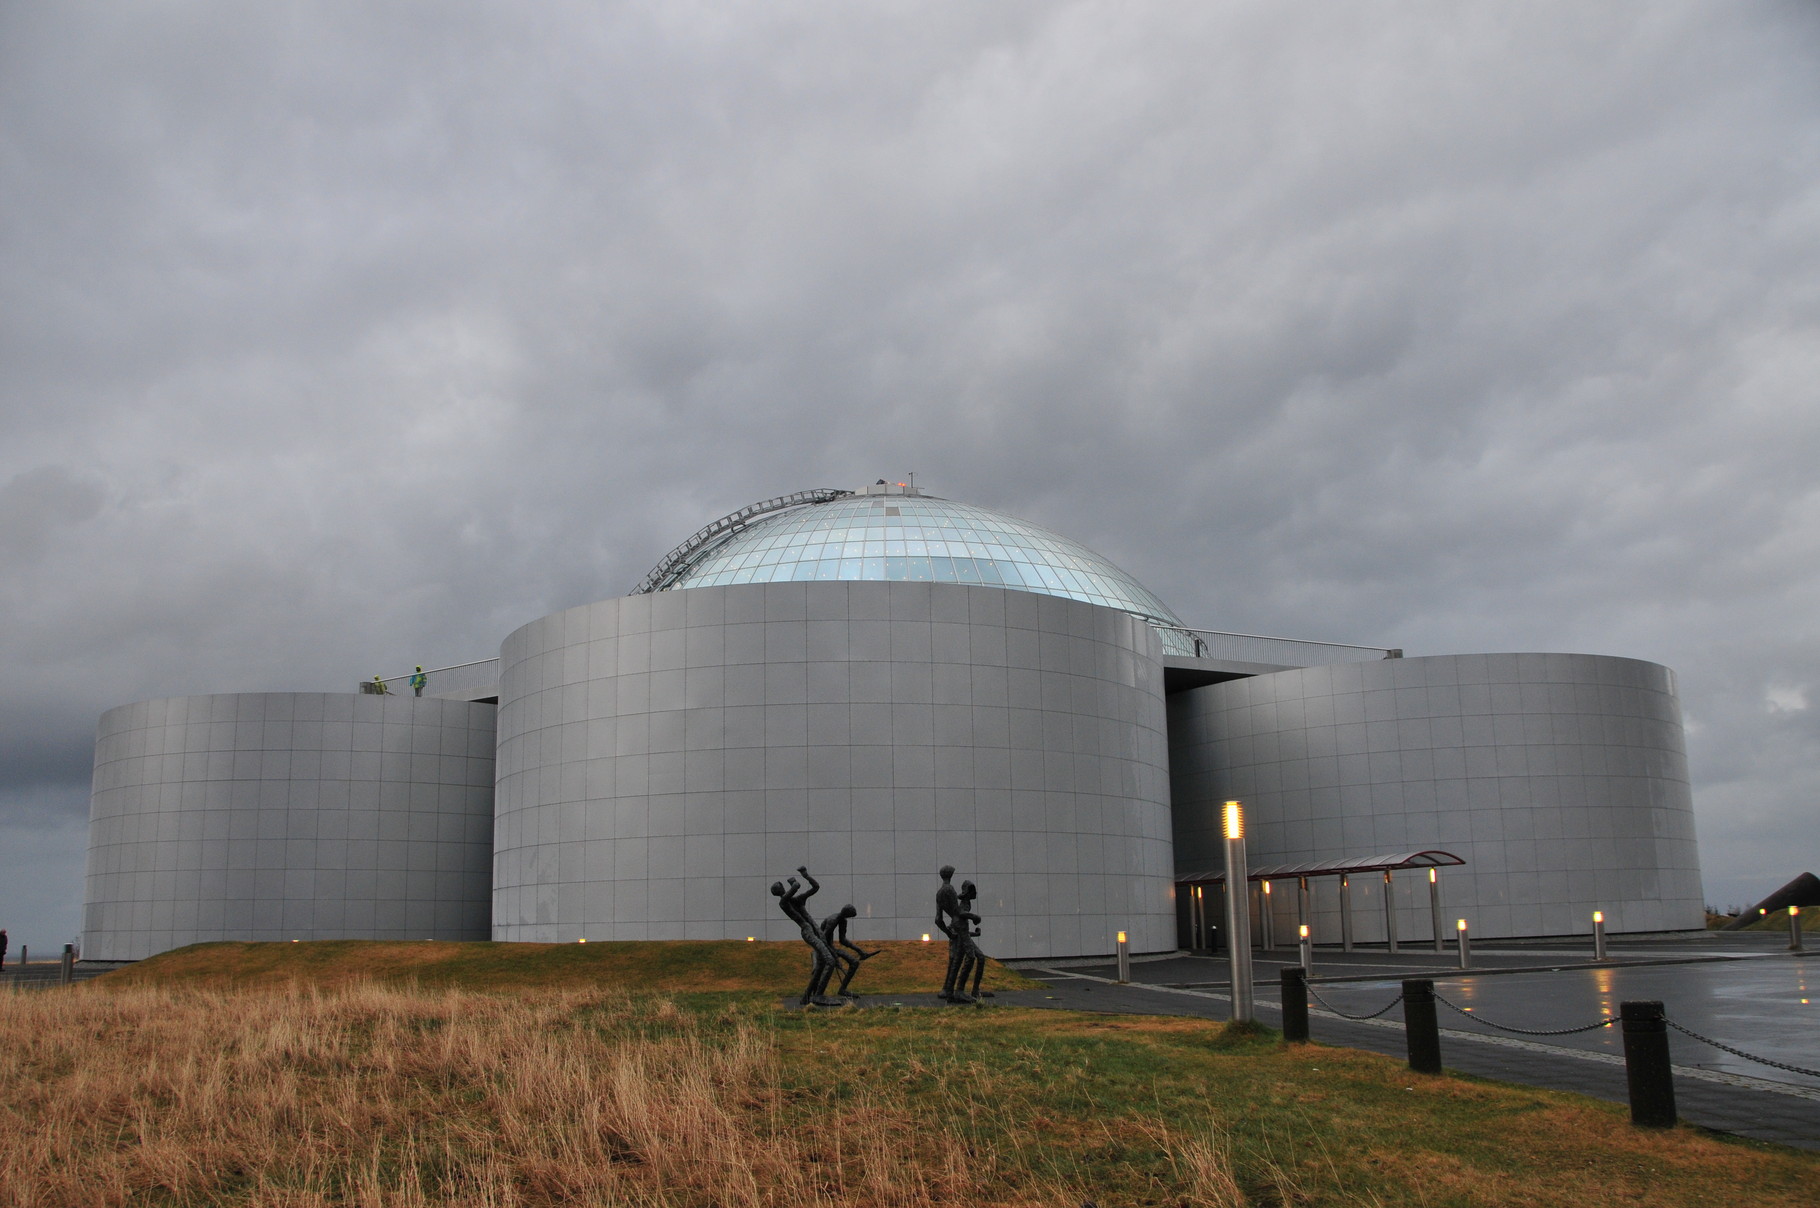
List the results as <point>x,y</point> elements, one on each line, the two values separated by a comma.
<point>872,726</point>
<point>1624,748</point>
<point>175,804</point>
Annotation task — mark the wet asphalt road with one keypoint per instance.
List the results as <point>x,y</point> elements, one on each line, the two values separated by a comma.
<point>1746,994</point>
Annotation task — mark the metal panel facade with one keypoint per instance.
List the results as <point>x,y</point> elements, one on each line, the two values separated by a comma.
<point>288,815</point>
<point>663,758</point>
<point>1561,778</point>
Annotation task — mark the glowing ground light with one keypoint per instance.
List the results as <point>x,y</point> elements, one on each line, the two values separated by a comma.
<point>925,937</point>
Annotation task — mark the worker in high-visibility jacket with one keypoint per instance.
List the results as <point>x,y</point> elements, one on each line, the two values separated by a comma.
<point>419,680</point>
<point>379,688</point>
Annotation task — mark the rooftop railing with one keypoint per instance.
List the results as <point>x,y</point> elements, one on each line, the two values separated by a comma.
<point>461,680</point>
<point>1261,648</point>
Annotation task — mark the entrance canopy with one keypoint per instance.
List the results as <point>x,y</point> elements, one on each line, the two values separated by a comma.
<point>1329,868</point>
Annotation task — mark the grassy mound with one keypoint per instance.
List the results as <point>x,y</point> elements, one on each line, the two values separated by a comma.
<point>902,967</point>
<point>407,1097</point>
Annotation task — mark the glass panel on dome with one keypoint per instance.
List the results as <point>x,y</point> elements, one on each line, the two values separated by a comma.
<point>919,538</point>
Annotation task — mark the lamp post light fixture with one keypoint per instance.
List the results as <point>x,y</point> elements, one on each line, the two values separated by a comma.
<point>1434,910</point>
<point>1794,929</point>
<point>1465,947</point>
<point>1265,922</point>
<point>1307,944</point>
<point>1598,935</point>
<point>1124,960</point>
<point>1238,914</point>
<point>1390,914</point>
<point>1346,912</point>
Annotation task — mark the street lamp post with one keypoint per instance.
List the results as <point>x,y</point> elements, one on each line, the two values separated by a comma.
<point>1434,910</point>
<point>1266,917</point>
<point>1238,916</point>
<point>1390,913</point>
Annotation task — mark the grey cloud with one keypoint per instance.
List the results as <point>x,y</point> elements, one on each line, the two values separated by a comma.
<point>36,504</point>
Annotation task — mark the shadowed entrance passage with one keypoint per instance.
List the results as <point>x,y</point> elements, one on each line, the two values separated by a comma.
<point>1192,887</point>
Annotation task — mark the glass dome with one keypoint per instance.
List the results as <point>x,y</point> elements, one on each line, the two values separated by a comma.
<point>910,537</point>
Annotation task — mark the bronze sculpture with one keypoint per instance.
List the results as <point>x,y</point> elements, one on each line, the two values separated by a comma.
<point>792,901</point>
<point>955,922</point>
<point>825,940</point>
<point>972,960</point>
<point>834,935</point>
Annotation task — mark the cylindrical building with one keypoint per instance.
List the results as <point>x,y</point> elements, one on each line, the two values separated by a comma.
<point>288,815</point>
<point>875,683</point>
<point>664,757</point>
<point>1561,780</point>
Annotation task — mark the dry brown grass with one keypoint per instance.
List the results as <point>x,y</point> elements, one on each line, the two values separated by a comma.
<point>394,1097</point>
<point>378,1096</point>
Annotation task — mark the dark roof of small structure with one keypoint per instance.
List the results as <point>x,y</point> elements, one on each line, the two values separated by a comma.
<point>1803,891</point>
<point>1329,868</point>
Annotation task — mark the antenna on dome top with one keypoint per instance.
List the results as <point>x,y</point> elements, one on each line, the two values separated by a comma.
<point>912,477</point>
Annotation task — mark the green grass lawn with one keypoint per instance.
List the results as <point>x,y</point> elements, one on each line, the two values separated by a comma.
<point>1113,1104</point>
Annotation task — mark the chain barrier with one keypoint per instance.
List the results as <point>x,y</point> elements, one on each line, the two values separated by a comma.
<point>1343,1015</point>
<point>1781,1065</point>
<point>1591,1027</point>
<point>1466,1011</point>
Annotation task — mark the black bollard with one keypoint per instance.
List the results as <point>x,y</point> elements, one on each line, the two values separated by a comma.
<point>1652,1083</point>
<point>1295,1004</point>
<point>66,970</point>
<point>1420,1026</point>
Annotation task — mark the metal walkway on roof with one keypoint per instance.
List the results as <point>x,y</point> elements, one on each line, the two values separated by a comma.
<point>673,564</point>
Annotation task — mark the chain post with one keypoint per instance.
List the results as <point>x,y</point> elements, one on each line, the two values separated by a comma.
<point>1646,1067</point>
<point>1420,1027</point>
<point>1295,1004</point>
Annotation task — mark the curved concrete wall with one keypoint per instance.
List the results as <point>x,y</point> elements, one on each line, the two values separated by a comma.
<point>293,815</point>
<point>663,758</point>
<point>1560,778</point>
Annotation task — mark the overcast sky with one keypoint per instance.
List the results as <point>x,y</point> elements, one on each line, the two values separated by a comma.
<point>336,338</point>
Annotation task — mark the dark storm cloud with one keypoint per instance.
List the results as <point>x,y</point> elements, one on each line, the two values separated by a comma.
<point>340,338</point>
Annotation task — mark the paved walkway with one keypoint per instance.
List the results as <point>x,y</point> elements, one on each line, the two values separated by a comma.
<point>1751,997</point>
<point>42,975</point>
